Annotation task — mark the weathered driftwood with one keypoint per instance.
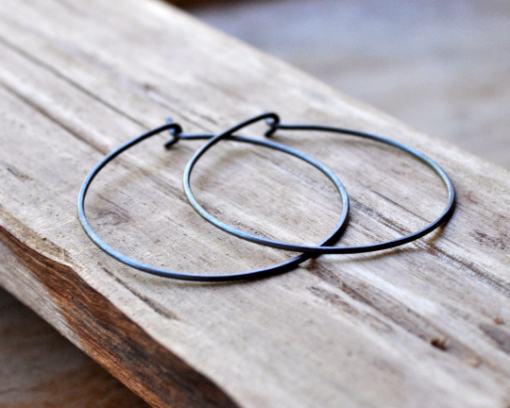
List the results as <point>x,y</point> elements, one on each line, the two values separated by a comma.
<point>424,325</point>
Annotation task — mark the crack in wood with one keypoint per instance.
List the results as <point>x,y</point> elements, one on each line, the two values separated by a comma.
<point>157,307</point>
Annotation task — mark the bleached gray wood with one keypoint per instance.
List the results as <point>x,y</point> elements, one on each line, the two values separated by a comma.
<point>424,325</point>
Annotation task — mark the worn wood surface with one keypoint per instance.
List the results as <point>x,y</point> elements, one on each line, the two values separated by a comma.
<point>40,368</point>
<point>424,325</point>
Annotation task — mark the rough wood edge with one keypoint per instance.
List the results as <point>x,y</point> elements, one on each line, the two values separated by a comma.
<point>93,318</point>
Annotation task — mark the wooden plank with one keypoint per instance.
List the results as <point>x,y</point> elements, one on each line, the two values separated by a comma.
<point>368,330</point>
<point>40,368</point>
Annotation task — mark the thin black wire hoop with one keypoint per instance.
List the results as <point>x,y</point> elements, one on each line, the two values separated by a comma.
<point>176,132</point>
<point>273,120</point>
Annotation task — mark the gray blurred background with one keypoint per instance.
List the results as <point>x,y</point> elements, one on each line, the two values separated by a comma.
<point>442,67</point>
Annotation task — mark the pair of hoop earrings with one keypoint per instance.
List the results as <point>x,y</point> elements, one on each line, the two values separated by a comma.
<point>273,121</point>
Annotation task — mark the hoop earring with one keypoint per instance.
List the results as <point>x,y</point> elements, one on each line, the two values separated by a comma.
<point>274,124</point>
<point>177,135</point>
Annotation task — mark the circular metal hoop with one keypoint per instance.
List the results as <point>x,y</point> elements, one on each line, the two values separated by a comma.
<point>274,123</point>
<point>175,129</point>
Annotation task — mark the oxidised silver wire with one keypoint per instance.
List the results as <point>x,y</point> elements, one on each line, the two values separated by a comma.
<point>176,131</point>
<point>273,121</point>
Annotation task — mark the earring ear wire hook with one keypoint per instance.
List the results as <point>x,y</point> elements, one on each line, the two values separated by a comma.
<point>273,122</point>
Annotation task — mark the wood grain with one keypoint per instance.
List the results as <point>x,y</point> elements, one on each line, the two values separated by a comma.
<point>424,325</point>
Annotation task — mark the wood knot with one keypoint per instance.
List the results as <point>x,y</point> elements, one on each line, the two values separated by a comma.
<point>440,343</point>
